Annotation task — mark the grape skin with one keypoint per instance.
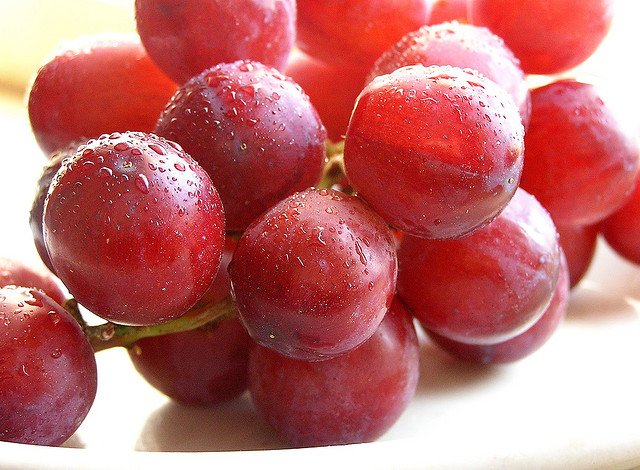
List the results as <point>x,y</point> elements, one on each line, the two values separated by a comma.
<point>522,345</point>
<point>349,399</point>
<point>314,275</point>
<point>581,154</point>
<point>446,143</point>
<point>489,286</point>
<point>134,228</point>
<point>253,130</point>
<point>114,84</point>
<point>48,373</point>
<point>18,273</point>
<point>186,37</point>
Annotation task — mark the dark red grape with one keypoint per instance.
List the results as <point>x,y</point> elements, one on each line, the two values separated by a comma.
<point>621,229</point>
<point>582,154</point>
<point>188,36</point>
<point>548,36</point>
<point>579,244</point>
<point>354,33</point>
<point>134,228</point>
<point>332,90</point>
<point>95,85</point>
<point>463,46</point>
<point>204,366</point>
<point>253,130</point>
<point>489,286</point>
<point>314,275</point>
<point>437,151</point>
<point>48,374</point>
<point>18,273</point>
<point>349,399</point>
<point>525,343</point>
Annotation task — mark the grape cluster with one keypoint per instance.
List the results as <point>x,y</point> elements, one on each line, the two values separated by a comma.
<point>246,215</point>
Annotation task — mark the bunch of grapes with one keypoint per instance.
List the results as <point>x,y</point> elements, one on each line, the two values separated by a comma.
<point>273,195</point>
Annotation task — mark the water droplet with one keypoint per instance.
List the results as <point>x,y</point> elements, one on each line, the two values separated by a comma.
<point>142,183</point>
<point>180,167</point>
<point>157,149</point>
<point>54,317</point>
<point>363,258</point>
<point>56,354</point>
<point>121,146</point>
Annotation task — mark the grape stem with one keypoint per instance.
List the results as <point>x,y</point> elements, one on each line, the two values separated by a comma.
<point>110,335</point>
<point>333,170</point>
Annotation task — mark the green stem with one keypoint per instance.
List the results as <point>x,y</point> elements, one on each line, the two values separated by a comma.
<point>334,167</point>
<point>110,335</point>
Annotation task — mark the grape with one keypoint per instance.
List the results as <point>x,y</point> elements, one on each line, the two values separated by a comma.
<point>37,207</point>
<point>464,46</point>
<point>437,151</point>
<point>354,33</point>
<point>204,366</point>
<point>449,10</point>
<point>349,399</point>
<point>253,130</point>
<point>134,228</point>
<point>489,286</point>
<point>48,373</point>
<point>188,36</point>
<point>622,228</point>
<point>96,85</point>
<point>548,36</point>
<point>332,90</point>
<point>579,244</point>
<point>18,273</point>
<point>314,275</point>
<point>525,343</point>
<point>581,155</point>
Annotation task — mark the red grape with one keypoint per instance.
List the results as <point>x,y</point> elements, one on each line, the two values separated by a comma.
<point>48,374</point>
<point>314,275</point>
<point>621,229</point>
<point>332,90</point>
<point>463,46</point>
<point>253,130</point>
<point>548,36</point>
<point>582,156</point>
<point>525,343</point>
<point>579,244</point>
<point>349,399</point>
<point>489,286</point>
<point>188,36</point>
<point>96,85</point>
<point>437,151</point>
<point>203,366</point>
<point>134,228</point>
<point>354,33</point>
<point>18,273</point>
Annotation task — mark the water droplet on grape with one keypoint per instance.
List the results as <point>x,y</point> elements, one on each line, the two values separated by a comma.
<point>179,166</point>
<point>54,317</point>
<point>56,354</point>
<point>142,183</point>
<point>157,149</point>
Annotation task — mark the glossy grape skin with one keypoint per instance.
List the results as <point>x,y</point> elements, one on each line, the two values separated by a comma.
<point>449,10</point>
<point>522,345</point>
<point>621,230</point>
<point>354,33</point>
<point>188,36</point>
<point>489,286</point>
<point>353,398</point>
<point>314,275</point>
<point>464,46</point>
<point>15,272</point>
<point>134,228</point>
<point>204,366</point>
<point>332,90</point>
<point>445,143</point>
<point>548,36</point>
<point>582,156</point>
<point>253,130</point>
<point>114,84</point>
<point>579,244</point>
<point>48,370</point>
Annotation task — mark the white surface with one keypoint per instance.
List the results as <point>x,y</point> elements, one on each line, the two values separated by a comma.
<point>573,404</point>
